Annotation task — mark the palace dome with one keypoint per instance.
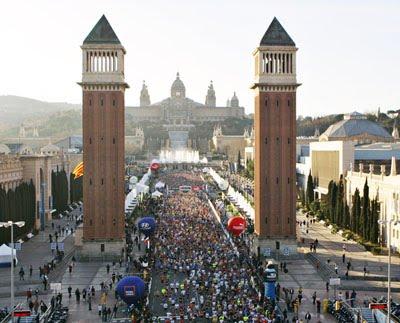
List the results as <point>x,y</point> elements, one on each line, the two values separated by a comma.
<point>353,126</point>
<point>178,88</point>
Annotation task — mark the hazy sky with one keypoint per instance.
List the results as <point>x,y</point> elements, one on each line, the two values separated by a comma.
<point>348,57</point>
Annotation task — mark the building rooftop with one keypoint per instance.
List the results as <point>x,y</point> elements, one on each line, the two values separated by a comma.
<point>355,124</point>
<point>276,35</point>
<point>102,33</point>
<point>377,151</point>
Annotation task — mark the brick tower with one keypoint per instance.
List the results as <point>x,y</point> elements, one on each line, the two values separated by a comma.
<point>275,140</point>
<point>103,119</point>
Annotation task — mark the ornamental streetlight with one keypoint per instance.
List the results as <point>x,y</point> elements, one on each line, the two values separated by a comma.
<point>11,224</point>
<point>389,234</point>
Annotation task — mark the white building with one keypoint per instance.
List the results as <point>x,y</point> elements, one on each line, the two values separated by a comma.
<point>386,188</point>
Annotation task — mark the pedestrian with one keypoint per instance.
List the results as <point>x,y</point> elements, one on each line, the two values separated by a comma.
<point>77,295</point>
<point>28,295</point>
<point>314,297</point>
<point>308,317</point>
<point>69,291</point>
<point>327,286</point>
<point>343,258</point>
<point>93,291</point>
<point>99,309</point>
<point>84,294</point>
<point>21,274</point>
<point>108,268</point>
<point>318,306</point>
<point>348,265</point>
<point>90,302</point>
<point>30,270</point>
<point>336,269</point>
<point>365,270</point>
<point>115,309</point>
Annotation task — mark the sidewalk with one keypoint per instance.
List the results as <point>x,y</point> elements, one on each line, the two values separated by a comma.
<point>330,247</point>
<point>35,252</point>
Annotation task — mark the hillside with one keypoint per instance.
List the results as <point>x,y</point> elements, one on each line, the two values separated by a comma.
<point>15,109</point>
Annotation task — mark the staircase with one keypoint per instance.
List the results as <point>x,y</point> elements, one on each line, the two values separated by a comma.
<point>367,315</point>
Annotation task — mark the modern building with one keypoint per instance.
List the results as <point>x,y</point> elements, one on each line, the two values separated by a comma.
<point>71,143</point>
<point>275,88</point>
<point>329,161</point>
<point>103,122</point>
<point>356,127</point>
<point>179,109</point>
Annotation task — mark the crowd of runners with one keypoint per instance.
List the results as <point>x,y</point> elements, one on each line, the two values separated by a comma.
<point>203,275</point>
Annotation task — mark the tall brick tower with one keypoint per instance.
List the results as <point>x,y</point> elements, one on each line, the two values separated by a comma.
<point>275,140</point>
<point>103,119</point>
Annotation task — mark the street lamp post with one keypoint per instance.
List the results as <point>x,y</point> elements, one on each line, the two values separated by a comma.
<point>389,234</point>
<point>11,224</point>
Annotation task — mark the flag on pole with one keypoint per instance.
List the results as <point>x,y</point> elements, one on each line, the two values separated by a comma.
<point>78,170</point>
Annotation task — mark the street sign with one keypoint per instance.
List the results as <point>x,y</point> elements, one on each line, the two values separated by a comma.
<point>55,287</point>
<point>378,306</point>
<point>286,251</point>
<point>16,245</point>
<point>334,281</point>
<point>22,313</point>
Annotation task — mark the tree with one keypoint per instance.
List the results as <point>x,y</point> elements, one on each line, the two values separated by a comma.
<point>332,192</point>
<point>339,206</point>
<point>374,228</point>
<point>310,190</point>
<point>355,211</point>
<point>364,219</point>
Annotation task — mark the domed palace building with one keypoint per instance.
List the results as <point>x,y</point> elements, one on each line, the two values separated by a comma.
<point>357,128</point>
<point>180,110</point>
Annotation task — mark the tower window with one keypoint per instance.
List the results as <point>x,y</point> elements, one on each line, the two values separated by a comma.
<point>277,180</point>
<point>101,138</point>
<point>277,103</point>
<point>90,102</point>
<point>266,180</point>
<point>266,103</point>
<point>288,220</point>
<point>288,141</point>
<point>288,180</point>
<point>102,181</point>
<point>90,222</point>
<point>266,220</point>
<point>90,181</point>
<point>266,140</point>
<point>113,140</point>
<point>114,103</point>
<point>101,102</point>
<point>277,140</point>
<point>288,103</point>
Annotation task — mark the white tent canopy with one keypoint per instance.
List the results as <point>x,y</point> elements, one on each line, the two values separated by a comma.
<point>5,255</point>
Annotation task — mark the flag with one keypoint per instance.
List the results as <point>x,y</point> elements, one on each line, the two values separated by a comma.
<point>78,170</point>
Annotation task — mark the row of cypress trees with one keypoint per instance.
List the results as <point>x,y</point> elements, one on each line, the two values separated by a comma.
<point>363,217</point>
<point>75,188</point>
<point>59,190</point>
<point>17,205</point>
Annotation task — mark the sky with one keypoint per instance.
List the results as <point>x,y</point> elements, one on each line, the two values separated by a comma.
<point>347,59</point>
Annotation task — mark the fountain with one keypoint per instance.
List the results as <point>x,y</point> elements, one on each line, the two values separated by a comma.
<point>179,156</point>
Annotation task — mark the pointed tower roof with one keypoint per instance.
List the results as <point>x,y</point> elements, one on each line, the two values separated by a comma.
<point>276,35</point>
<point>102,33</point>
